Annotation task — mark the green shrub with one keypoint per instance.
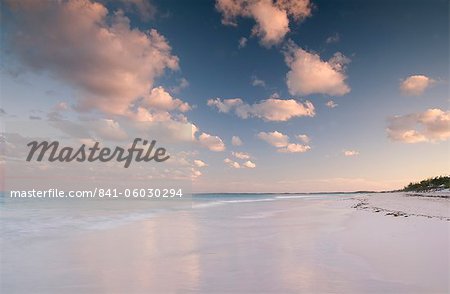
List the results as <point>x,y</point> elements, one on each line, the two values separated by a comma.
<point>441,182</point>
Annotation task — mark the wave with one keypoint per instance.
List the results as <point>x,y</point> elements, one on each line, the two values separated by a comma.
<point>299,196</point>
<point>223,202</point>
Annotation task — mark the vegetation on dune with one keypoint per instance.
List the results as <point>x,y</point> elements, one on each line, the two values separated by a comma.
<point>441,182</point>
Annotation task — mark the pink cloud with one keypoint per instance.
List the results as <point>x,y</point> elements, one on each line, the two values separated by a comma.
<point>309,74</point>
<point>79,42</point>
<point>271,109</point>
<point>271,17</point>
<point>429,126</point>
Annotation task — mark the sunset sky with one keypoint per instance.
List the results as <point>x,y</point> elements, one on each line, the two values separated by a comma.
<point>280,95</point>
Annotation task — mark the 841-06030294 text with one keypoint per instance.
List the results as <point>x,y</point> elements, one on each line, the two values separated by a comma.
<point>100,193</point>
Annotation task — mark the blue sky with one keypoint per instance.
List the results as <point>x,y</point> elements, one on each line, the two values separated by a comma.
<point>386,44</point>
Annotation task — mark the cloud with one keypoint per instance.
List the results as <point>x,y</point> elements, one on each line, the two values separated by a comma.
<point>195,173</point>
<point>294,148</point>
<point>235,164</point>
<point>242,42</point>
<point>429,126</point>
<point>183,83</point>
<point>258,82</point>
<point>144,8</point>
<point>94,129</point>
<point>303,138</point>
<point>159,106</point>
<point>79,42</point>
<point>271,17</point>
<point>333,39</point>
<point>272,23</point>
<point>160,99</point>
<point>109,129</point>
<point>309,74</point>
<point>236,141</point>
<point>213,143</point>
<point>142,114</point>
<point>122,129</point>
<point>349,153</point>
<point>415,85</point>
<point>56,111</point>
<point>275,138</point>
<point>249,164</point>
<point>199,163</point>
<point>61,106</point>
<point>271,109</point>
<point>226,105</point>
<point>297,9</point>
<point>175,131</point>
<point>232,163</point>
<point>281,141</point>
<point>331,104</point>
<point>241,155</point>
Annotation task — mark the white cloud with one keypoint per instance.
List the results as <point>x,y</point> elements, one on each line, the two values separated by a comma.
<point>415,85</point>
<point>232,163</point>
<point>331,104</point>
<point>429,126</point>
<point>304,138</point>
<point>271,17</point>
<point>241,155</point>
<point>109,63</point>
<point>294,148</point>
<point>271,109</point>
<point>249,164</point>
<point>275,138</point>
<point>242,42</point>
<point>349,153</point>
<point>258,82</point>
<point>199,163</point>
<point>236,141</point>
<point>309,74</point>
<point>213,143</point>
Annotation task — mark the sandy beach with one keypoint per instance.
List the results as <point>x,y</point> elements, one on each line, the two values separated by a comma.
<point>276,244</point>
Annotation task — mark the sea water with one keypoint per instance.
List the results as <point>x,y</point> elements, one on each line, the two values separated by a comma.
<point>23,218</point>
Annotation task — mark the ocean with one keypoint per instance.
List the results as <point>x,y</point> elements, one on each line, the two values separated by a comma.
<point>27,218</point>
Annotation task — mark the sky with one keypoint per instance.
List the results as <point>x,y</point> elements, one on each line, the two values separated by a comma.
<point>273,96</point>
